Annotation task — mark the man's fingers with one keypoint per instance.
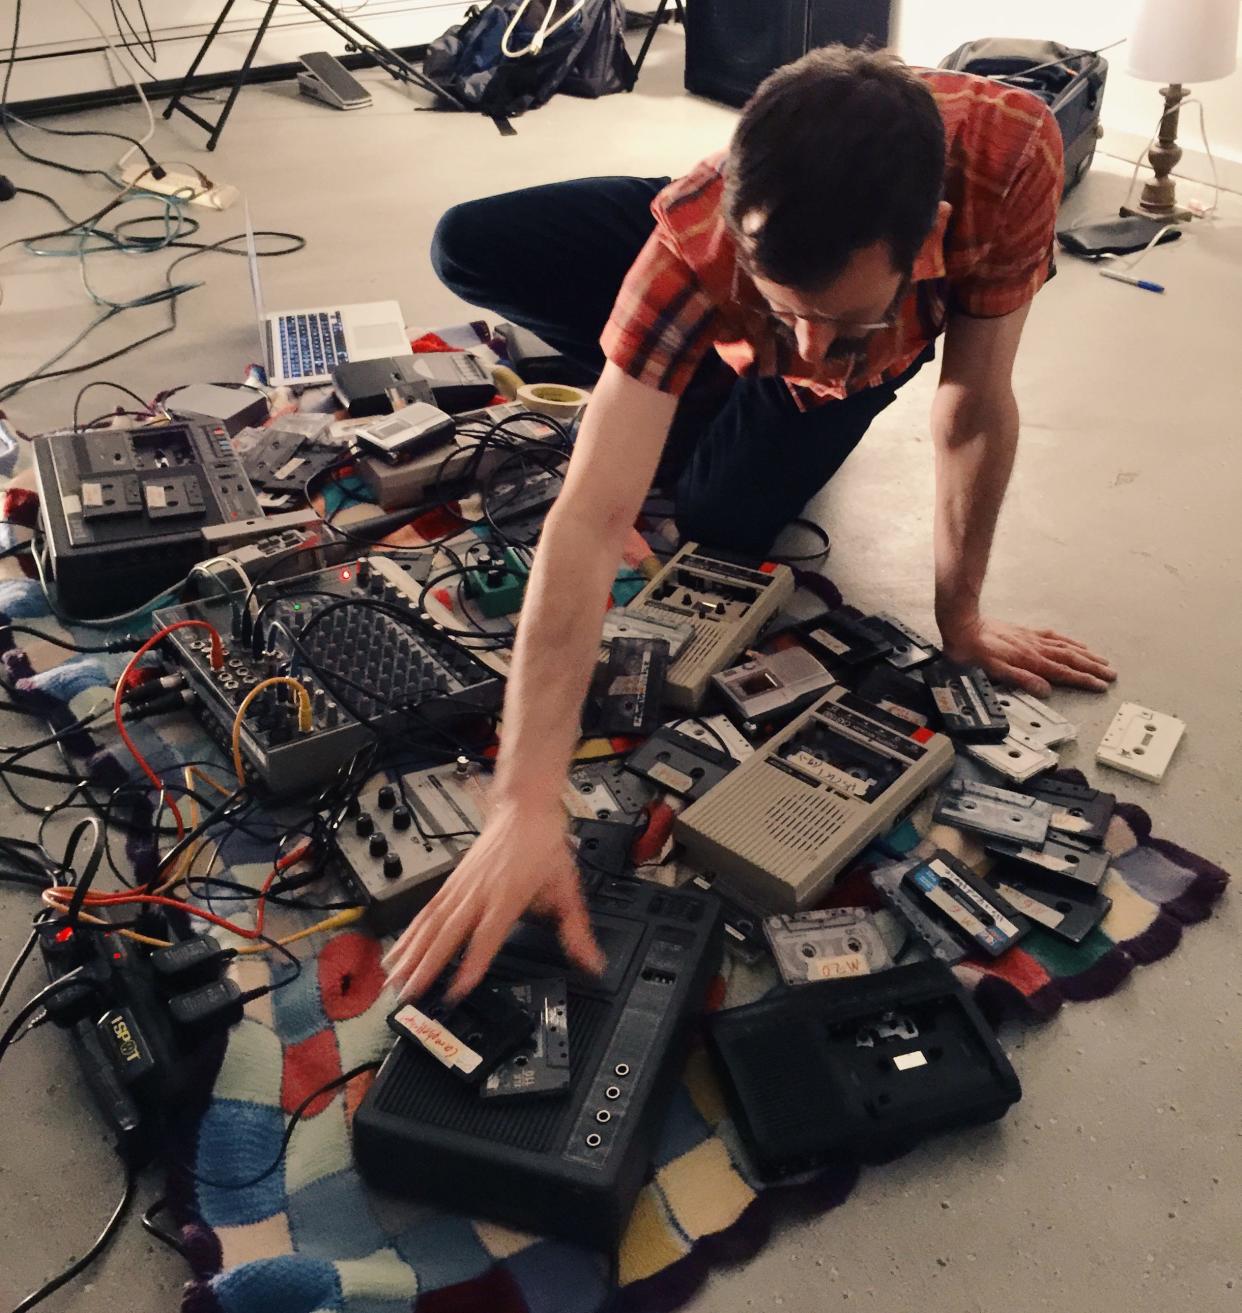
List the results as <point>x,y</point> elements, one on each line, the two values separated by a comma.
<point>429,957</point>
<point>1079,659</point>
<point>1056,672</point>
<point>431,914</point>
<point>576,937</point>
<point>484,945</point>
<point>1061,638</point>
<point>1017,677</point>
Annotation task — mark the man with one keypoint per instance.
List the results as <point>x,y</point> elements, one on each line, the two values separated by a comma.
<point>782,296</point>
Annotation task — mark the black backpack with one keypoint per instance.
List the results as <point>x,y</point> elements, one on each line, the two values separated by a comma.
<point>515,55</point>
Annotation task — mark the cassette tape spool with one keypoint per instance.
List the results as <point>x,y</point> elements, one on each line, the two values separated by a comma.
<point>967,703</point>
<point>1029,716</point>
<point>1018,758</point>
<point>996,813</point>
<point>909,647</point>
<point>1060,856</point>
<point>1078,810</point>
<point>826,944</point>
<point>1066,912</point>
<point>968,907</point>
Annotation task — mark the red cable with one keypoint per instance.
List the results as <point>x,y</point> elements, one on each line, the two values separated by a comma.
<point>122,685</point>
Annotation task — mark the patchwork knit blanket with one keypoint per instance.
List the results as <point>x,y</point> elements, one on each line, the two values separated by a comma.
<point>310,1237</point>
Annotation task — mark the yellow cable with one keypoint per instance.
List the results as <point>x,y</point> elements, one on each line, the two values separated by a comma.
<point>347,917</point>
<point>305,722</point>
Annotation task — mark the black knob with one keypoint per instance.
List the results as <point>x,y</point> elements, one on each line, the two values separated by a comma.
<point>401,818</point>
<point>378,845</point>
<point>392,866</point>
<point>353,807</point>
<point>386,797</point>
<point>364,824</point>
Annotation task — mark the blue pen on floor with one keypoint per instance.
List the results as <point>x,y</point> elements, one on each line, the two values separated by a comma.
<point>1132,280</point>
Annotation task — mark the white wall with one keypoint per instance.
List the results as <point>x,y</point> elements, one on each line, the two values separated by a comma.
<point>928,29</point>
<point>58,27</point>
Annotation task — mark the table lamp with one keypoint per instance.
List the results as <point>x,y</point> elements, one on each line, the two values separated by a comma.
<point>1176,42</point>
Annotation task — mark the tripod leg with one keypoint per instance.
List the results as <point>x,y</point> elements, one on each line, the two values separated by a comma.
<point>241,75</point>
<point>656,20</point>
<point>175,101</point>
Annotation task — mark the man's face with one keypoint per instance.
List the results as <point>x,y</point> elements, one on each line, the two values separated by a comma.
<point>837,320</point>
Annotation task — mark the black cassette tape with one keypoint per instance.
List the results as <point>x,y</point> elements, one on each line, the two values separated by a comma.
<point>908,648</point>
<point>977,914</point>
<point>604,846</point>
<point>966,702</point>
<point>844,638</point>
<point>1060,856</point>
<point>628,687</point>
<point>743,925</point>
<point>1069,912</point>
<point>469,1037</point>
<point>858,1069</point>
<point>682,765</point>
<point>1078,810</point>
<point>540,1066</point>
<point>903,698</point>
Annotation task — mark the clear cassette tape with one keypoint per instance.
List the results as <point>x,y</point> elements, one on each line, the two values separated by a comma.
<point>828,944</point>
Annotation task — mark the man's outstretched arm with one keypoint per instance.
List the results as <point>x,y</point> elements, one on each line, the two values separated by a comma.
<point>521,859</point>
<point>975,427</point>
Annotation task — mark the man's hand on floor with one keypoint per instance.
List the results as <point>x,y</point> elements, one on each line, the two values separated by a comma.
<point>1030,659</point>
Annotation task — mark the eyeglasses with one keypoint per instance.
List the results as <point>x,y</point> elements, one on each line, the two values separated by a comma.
<point>848,328</point>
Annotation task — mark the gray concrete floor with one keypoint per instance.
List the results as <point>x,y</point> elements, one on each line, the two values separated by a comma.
<point>1117,1182</point>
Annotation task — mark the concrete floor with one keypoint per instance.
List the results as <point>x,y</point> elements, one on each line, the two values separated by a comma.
<point>1117,1182</point>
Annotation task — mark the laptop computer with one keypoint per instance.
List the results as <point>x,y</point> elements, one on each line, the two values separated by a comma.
<point>304,346</point>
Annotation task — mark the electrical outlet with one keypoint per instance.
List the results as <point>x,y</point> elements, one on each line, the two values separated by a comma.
<point>187,186</point>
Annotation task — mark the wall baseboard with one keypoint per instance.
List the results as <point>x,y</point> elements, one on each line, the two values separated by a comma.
<point>1194,167</point>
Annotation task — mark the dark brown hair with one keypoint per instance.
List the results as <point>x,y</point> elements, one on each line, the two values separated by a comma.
<point>834,152</point>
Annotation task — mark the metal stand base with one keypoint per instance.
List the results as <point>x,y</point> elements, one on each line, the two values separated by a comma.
<point>656,19</point>
<point>340,23</point>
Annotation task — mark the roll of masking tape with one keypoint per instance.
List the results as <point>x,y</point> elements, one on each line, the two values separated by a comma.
<point>556,400</point>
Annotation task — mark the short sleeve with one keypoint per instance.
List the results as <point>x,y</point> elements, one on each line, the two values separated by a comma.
<point>663,322</point>
<point>1019,260</point>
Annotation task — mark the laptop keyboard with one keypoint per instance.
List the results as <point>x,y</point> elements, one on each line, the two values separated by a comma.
<point>311,344</point>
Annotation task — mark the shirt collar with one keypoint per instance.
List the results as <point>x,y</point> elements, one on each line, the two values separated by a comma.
<point>929,263</point>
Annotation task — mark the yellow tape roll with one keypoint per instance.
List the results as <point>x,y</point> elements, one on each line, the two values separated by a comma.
<point>556,400</point>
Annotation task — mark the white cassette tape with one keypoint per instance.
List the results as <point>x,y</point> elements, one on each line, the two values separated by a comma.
<point>1018,758</point>
<point>1028,715</point>
<point>1140,741</point>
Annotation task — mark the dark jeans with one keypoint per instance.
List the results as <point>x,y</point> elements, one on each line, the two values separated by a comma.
<point>743,458</point>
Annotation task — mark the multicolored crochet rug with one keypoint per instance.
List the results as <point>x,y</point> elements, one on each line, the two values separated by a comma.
<point>311,1238</point>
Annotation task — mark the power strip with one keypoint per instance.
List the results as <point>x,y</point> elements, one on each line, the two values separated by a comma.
<point>183,185</point>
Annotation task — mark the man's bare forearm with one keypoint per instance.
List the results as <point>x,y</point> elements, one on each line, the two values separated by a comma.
<point>976,438</point>
<point>622,435</point>
<point>558,640</point>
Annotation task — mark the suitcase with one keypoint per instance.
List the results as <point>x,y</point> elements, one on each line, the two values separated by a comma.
<point>1070,82</point>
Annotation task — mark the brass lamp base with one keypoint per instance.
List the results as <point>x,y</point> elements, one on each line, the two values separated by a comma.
<point>1158,199</point>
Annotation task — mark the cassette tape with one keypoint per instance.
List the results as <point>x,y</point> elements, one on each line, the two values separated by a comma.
<point>910,910</point>
<point>629,687</point>
<point>1069,913</point>
<point>1060,856</point>
<point>1018,758</point>
<point>726,604</point>
<point>605,790</point>
<point>603,847</point>
<point>541,1064</point>
<point>621,622</point>
<point>967,704</point>
<point>772,687</point>
<point>908,648</point>
<point>1029,716</point>
<point>995,813</point>
<point>793,814</point>
<point>904,697</point>
<point>683,765</point>
<point>1077,809</point>
<point>718,731</point>
<point>1140,742</point>
<point>844,638</point>
<point>966,905</point>
<point>826,944</point>
<point>470,1037</point>
<point>743,925</point>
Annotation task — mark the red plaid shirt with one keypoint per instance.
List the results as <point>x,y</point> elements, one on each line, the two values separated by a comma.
<point>988,256</point>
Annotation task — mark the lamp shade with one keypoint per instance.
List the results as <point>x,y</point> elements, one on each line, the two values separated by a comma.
<point>1184,40</point>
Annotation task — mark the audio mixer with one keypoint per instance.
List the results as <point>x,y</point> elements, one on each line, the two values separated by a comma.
<point>355,637</point>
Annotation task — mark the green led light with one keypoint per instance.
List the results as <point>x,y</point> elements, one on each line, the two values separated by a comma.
<point>297,606</point>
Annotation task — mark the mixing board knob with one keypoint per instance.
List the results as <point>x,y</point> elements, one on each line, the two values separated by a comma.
<point>401,818</point>
<point>392,866</point>
<point>386,797</point>
<point>364,824</point>
<point>378,845</point>
<point>353,807</point>
<point>461,767</point>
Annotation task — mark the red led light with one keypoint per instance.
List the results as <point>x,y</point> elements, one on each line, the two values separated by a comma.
<point>116,957</point>
<point>346,576</point>
<point>63,936</point>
